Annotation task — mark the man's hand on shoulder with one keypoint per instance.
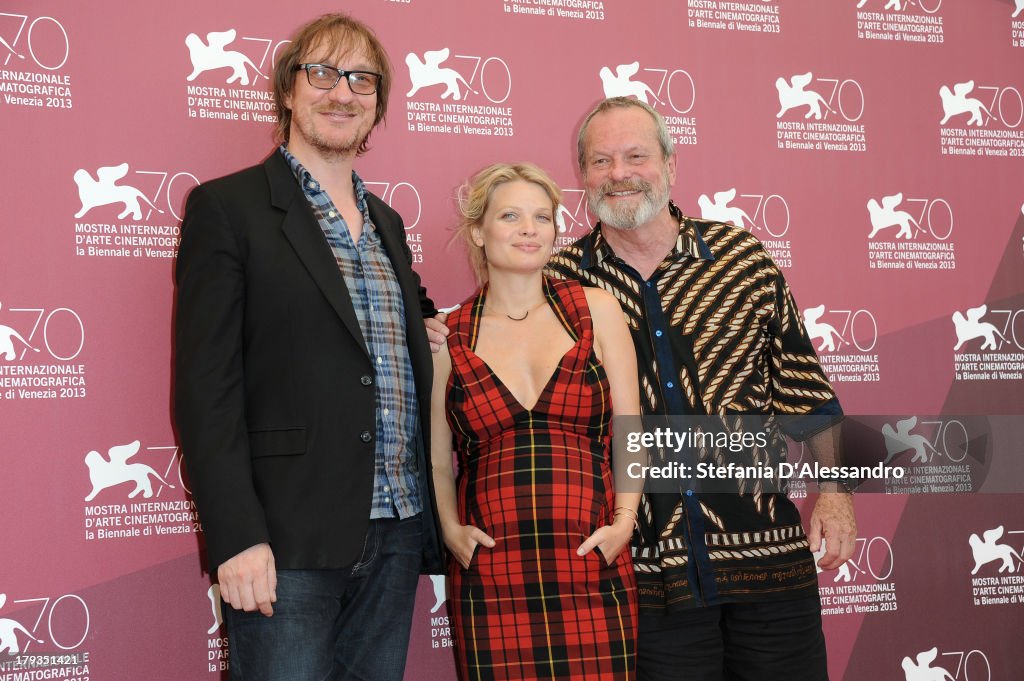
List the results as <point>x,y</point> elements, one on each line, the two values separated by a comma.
<point>248,580</point>
<point>833,521</point>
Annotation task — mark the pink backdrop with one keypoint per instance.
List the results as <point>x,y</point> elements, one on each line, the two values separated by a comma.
<point>897,208</point>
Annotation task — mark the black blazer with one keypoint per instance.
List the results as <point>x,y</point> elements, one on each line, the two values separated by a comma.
<point>274,395</point>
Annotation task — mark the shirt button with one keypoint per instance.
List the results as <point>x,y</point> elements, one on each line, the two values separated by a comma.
<point>385,411</point>
<point>365,380</point>
<point>331,214</point>
<point>380,360</point>
<point>311,185</point>
<point>365,436</point>
<point>670,384</point>
<point>386,489</point>
<point>658,333</point>
<point>689,492</point>
<point>650,284</point>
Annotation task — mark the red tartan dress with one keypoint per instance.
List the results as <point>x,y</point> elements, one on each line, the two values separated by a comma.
<point>539,482</point>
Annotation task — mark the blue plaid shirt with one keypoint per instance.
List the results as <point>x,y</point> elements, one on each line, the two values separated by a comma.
<point>377,300</point>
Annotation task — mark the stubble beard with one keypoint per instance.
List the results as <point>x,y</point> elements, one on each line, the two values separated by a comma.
<point>332,149</point>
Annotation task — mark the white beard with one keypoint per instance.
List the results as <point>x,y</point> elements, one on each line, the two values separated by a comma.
<point>624,216</point>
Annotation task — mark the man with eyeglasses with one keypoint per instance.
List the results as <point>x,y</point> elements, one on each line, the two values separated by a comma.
<point>302,381</point>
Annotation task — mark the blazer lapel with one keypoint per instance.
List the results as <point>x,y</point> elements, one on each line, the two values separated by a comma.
<point>303,232</point>
<point>391,237</point>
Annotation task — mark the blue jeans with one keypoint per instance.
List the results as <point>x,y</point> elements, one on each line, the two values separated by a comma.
<point>334,625</point>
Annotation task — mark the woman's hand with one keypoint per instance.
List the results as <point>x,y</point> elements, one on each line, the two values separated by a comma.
<point>462,541</point>
<point>610,539</point>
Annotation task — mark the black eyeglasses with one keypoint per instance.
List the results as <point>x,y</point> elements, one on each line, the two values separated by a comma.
<point>324,77</point>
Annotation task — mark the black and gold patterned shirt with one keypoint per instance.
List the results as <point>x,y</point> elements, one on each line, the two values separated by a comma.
<point>716,332</point>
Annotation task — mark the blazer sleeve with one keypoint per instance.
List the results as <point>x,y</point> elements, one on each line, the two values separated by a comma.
<point>427,306</point>
<point>209,381</point>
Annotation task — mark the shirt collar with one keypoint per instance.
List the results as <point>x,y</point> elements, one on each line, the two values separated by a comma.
<point>689,242</point>
<point>311,187</point>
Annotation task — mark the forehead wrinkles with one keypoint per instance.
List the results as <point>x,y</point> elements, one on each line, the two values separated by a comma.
<point>621,142</point>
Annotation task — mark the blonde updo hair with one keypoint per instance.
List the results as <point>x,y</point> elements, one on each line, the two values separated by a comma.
<point>475,197</point>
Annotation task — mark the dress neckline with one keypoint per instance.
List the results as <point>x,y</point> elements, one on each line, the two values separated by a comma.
<point>557,306</point>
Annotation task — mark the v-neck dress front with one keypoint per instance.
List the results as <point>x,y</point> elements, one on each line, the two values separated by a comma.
<point>539,482</point>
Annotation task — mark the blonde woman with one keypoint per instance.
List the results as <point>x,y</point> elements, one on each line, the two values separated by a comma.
<point>542,582</point>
